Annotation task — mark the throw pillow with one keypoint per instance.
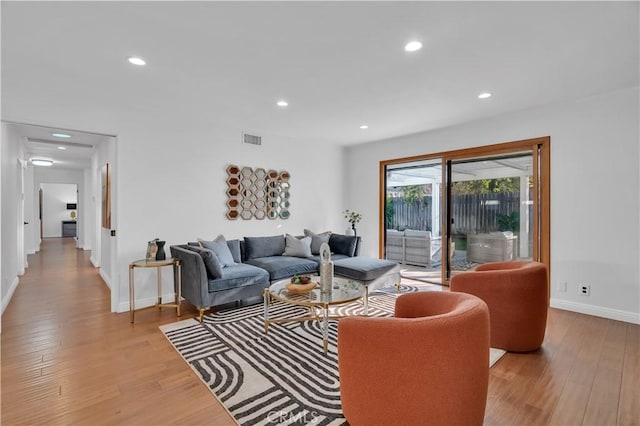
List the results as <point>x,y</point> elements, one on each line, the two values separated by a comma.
<point>343,244</point>
<point>297,247</point>
<point>256,247</point>
<point>234,246</point>
<point>317,240</point>
<point>212,264</point>
<point>220,248</point>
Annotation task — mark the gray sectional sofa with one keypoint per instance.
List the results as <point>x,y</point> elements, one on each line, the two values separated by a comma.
<point>211,276</point>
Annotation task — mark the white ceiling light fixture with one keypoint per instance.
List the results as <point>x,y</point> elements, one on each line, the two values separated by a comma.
<point>484,95</point>
<point>364,127</point>
<point>62,148</point>
<point>137,61</point>
<point>41,162</point>
<point>61,135</point>
<point>413,46</point>
<point>282,103</point>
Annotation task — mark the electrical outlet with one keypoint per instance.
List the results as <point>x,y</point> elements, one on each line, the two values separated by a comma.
<point>584,289</point>
<point>562,287</point>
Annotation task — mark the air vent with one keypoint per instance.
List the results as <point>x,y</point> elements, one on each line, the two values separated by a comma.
<point>252,139</point>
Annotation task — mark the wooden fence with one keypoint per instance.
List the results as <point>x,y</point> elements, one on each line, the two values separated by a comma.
<point>472,213</point>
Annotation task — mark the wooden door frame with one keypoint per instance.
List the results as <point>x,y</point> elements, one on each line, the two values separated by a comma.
<point>540,148</point>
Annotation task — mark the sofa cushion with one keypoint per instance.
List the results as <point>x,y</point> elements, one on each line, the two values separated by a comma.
<point>362,268</point>
<point>239,275</point>
<point>343,244</point>
<point>284,266</point>
<point>256,247</point>
<point>317,240</point>
<point>334,257</point>
<point>220,248</point>
<point>212,264</point>
<point>297,247</point>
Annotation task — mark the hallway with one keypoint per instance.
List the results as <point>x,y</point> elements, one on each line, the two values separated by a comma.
<point>66,359</point>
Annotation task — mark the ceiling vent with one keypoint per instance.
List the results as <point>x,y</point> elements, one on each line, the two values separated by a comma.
<point>251,139</point>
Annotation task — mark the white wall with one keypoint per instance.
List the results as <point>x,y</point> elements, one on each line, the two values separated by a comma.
<point>10,153</point>
<point>55,197</point>
<point>594,192</point>
<point>171,184</point>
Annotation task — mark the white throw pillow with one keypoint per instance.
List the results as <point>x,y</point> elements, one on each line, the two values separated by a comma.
<point>297,247</point>
<point>317,239</point>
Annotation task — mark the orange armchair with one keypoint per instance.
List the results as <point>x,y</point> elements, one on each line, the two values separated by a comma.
<point>517,293</point>
<point>427,365</point>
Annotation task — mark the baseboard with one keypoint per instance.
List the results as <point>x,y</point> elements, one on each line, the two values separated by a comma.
<point>598,311</point>
<point>105,278</point>
<point>86,248</point>
<point>94,262</point>
<point>147,301</point>
<point>7,298</point>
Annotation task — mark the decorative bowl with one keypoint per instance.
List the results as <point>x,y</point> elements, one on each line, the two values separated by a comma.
<point>301,288</point>
<point>300,279</point>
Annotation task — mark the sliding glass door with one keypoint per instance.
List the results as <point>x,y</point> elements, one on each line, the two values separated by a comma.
<point>451,211</point>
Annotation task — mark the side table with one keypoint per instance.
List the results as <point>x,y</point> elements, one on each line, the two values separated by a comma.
<point>158,264</point>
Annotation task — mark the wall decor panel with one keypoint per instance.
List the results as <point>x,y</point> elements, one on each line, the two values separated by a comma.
<point>257,193</point>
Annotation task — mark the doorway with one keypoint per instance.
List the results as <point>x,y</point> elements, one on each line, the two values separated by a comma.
<point>450,211</point>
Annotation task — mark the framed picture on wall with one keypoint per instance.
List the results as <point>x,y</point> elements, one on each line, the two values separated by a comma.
<point>106,196</point>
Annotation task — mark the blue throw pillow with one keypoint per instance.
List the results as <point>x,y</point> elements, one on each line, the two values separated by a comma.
<point>212,264</point>
<point>220,248</point>
<point>343,244</point>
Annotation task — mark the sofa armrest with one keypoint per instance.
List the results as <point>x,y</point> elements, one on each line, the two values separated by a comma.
<point>195,284</point>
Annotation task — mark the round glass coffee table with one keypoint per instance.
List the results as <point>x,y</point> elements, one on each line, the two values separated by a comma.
<point>343,291</point>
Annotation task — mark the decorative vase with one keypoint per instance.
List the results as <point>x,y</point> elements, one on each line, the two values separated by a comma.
<point>349,231</point>
<point>355,231</point>
<point>326,269</point>
<point>160,254</point>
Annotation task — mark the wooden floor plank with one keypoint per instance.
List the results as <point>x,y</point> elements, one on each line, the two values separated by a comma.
<point>629,407</point>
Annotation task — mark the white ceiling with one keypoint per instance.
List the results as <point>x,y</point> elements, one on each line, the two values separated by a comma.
<point>339,64</point>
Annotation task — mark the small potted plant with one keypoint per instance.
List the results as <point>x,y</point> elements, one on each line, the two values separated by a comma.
<point>353,218</point>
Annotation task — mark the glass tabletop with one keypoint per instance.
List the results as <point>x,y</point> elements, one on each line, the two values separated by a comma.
<point>343,290</point>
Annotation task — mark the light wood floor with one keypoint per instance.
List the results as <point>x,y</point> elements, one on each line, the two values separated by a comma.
<point>67,360</point>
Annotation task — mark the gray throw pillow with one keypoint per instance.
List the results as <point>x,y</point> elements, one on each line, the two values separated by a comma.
<point>256,247</point>
<point>317,240</point>
<point>212,264</point>
<point>343,244</point>
<point>297,247</point>
<point>234,246</point>
<point>220,248</point>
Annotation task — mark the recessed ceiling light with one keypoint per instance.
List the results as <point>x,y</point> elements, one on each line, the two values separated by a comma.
<point>485,95</point>
<point>282,103</point>
<point>62,148</point>
<point>45,163</point>
<point>61,135</point>
<point>412,46</point>
<point>137,61</point>
<point>364,127</point>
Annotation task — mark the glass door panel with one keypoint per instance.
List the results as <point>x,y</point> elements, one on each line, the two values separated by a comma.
<point>489,210</point>
<point>413,217</point>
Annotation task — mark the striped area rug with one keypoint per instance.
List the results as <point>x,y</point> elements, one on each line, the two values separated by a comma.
<point>282,377</point>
